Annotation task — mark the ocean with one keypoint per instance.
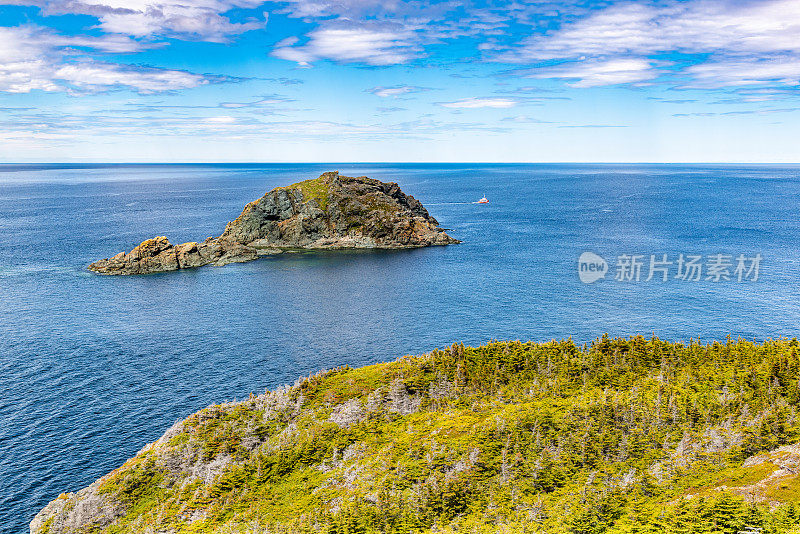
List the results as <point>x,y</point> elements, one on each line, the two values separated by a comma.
<point>92,368</point>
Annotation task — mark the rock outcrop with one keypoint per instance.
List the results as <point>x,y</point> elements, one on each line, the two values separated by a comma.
<point>328,212</point>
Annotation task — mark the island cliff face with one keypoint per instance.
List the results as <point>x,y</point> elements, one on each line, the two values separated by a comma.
<point>328,212</point>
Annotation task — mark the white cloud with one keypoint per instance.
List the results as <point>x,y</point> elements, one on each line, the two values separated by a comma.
<point>323,8</point>
<point>750,36</point>
<point>596,73</point>
<point>119,124</point>
<point>188,19</point>
<point>472,103</point>
<point>25,76</point>
<point>746,72</point>
<point>23,43</point>
<point>439,19</point>
<point>384,92</point>
<point>397,31</point>
<point>376,45</point>
<point>96,76</point>
<point>396,90</point>
<point>693,27</point>
<point>220,120</point>
<point>33,58</point>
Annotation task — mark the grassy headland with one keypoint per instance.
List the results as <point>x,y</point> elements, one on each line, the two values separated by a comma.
<point>623,435</point>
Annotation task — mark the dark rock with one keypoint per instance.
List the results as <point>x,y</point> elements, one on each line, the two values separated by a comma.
<point>329,212</point>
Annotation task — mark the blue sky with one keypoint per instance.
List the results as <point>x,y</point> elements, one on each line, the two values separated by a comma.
<point>350,80</point>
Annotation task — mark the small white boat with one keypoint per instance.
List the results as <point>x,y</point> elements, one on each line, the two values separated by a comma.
<point>484,200</point>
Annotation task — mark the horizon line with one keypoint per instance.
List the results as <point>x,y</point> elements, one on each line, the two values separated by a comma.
<point>400,163</point>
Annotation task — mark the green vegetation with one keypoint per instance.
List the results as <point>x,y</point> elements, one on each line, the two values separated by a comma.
<point>622,436</point>
<point>47,526</point>
<point>314,189</point>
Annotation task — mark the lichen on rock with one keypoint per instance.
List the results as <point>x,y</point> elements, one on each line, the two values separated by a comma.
<point>329,212</point>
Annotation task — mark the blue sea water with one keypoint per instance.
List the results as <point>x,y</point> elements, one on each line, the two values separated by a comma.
<point>92,368</point>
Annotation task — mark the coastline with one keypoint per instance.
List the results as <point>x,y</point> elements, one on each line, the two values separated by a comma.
<point>434,439</point>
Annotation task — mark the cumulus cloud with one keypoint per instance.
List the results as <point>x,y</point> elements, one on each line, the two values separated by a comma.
<point>708,43</point>
<point>746,43</point>
<point>33,58</point>
<point>193,19</point>
<point>95,76</point>
<point>693,27</point>
<point>595,73</point>
<point>368,44</point>
<point>398,31</point>
<point>440,19</point>
<point>472,103</point>
<point>784,70</point>
<point>23,43</point>
<point>326,8</point>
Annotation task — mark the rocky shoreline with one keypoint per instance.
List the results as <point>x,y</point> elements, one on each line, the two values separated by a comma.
<point>329,212</point>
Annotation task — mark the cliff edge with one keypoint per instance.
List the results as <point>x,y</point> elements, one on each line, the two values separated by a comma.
<point>625,435</point>
<point>329,212</point>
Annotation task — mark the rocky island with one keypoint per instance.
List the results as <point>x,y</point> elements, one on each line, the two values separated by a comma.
<point>329,212</point>
<point>620,436</point>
